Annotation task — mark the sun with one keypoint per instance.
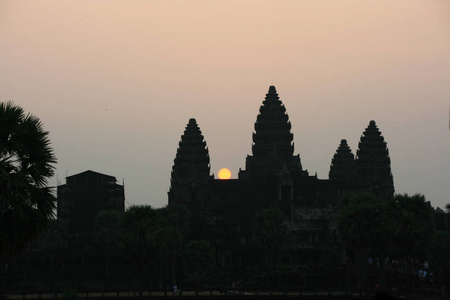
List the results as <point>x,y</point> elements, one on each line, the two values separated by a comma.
<point>224,174</point>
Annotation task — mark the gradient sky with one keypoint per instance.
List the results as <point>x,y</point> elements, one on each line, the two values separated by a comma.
<point>115,82</point>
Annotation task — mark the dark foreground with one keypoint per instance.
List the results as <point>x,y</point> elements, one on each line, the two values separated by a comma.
<point>187,295</point>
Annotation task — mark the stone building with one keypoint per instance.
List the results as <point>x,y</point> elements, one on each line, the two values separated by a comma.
<point>223,210</point>
<point>83,196</point>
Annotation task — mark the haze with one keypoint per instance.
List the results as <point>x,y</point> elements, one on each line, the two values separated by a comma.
<point>115,82</point>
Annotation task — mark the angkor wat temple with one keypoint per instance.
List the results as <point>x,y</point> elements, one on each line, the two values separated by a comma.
<point>223,211</point>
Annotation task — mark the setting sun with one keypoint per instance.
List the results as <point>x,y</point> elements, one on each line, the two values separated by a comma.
<point>224,174</point>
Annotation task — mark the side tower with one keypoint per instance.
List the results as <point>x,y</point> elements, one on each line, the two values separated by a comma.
<point>83,196</point>
<point>373,164</point>
<point>342,166</point>
<point>190,171</point>
<point>273,146</point>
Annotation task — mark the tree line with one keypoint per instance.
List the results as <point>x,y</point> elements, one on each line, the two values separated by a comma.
<point>403,228</point>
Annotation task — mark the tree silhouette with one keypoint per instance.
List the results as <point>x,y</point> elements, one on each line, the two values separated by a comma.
<point>52,240</point>
<point>415,228</point>
<point>109,234</point>
<point>176,216</point>
<point>26,163</point>
<point>198,260</point>
<point>141,224</point>
<point>365,224</point>
<point>168,249</point>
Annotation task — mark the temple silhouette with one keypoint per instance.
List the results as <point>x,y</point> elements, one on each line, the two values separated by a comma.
<point>223,211</point>
<point>222,214</point>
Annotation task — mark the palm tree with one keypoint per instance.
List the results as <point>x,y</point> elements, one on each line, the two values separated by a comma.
<point>198,260</point>
<point>52,240</point>
<point>365,224</point>
<point>109,235</point>
<point>26,160</point>
<point>141,224</point>
<point>415,228</point>
<point>168,250</point>
<point>176,216</point>
<point>26,163</point>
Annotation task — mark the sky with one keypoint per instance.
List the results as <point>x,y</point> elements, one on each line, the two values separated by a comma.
<point>116,82</point>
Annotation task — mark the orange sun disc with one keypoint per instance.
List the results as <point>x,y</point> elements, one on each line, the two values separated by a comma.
<point>224,174</point>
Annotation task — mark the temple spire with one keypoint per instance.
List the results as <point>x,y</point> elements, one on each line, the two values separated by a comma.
<point>343,163</point>
<point>191,165</point>
<point>272,90</point>
<point>273,145</point>
<point>373,164</point>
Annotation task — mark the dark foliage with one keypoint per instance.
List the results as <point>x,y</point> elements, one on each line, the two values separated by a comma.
<point>26,163</point>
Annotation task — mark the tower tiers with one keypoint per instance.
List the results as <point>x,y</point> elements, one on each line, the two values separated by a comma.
<point>191,167</point>
<point>373,164</point>
<point>273,145</point>
<point>343,164</point>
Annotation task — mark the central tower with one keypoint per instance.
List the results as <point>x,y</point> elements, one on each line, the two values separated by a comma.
<point>273,146</point>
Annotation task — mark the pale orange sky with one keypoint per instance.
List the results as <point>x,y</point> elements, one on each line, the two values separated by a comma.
<point>115,82</point>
